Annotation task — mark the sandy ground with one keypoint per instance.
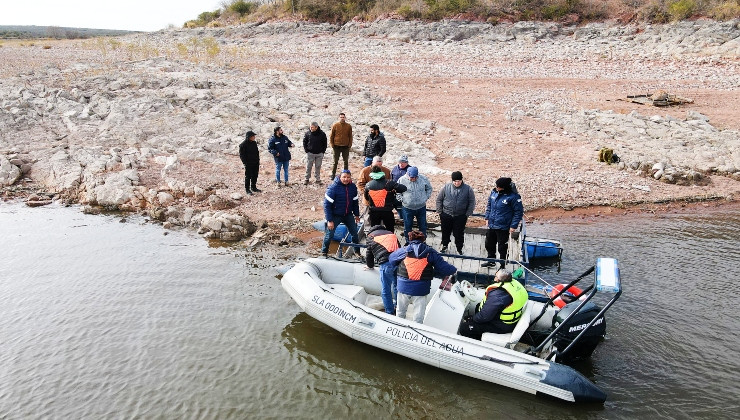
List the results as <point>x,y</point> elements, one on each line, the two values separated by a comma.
<point>538,155</point>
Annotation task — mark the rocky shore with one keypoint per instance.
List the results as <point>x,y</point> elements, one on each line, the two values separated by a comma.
<point>152,122</point>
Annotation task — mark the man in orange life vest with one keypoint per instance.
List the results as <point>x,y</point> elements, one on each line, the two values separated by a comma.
<point>417,264</point>
<point>380,244</point>
<point>380,194</point>
<point>500,309</point>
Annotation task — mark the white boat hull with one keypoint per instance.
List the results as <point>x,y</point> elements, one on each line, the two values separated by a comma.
<point>324,289</point>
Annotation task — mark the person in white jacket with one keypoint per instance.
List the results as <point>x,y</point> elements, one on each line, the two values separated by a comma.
<point>414,200</point>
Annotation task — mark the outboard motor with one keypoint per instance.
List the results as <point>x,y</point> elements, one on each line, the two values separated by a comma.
<point>588,342</point>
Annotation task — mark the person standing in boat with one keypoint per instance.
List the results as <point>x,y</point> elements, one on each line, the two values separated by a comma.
<point>500,309</point>
<point>380,244</point>
<point>341,206</point>
<point>504,212</point>
<point>380,195</point>
<point>417,264</point>
<point>455,203</point>
<point>250,157</point>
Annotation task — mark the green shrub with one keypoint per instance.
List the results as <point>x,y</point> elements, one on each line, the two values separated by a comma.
<point>726,10</point>
<point>681,9</point>
<point>242,7</point>
<point>408,13</point>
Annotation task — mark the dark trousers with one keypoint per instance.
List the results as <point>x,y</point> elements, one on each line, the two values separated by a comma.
<point>497,238</point>
<point>454,225</point>
<point>344,151</point>
<point>386,218</point>
<point>475,330</point>
<point>250,176</point>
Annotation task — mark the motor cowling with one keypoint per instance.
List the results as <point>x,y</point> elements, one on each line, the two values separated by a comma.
<point>590,339</point>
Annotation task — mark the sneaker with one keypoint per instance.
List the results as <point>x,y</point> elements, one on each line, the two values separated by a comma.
<point>459,252</point>
<point>488,264</point>
<point>256,190</point>
<point>249,192</point>
<point>444,249</point>
<point>324,254</point>
<point>286,184</point>
<point>305,182</point>
<point>318,182</point>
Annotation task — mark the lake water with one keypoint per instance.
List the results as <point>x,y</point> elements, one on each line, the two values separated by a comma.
<point>103,319</point>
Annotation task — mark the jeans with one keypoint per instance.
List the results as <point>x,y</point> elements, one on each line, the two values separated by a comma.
<point>454,225</point>
<point>344,151</point>
<point>408,220</point>
<point>368,161</point>
<point>349,221</point>
<point>420,306</point>
<point>313,159</point>
<point>388,287</point>
<point>283,165</point>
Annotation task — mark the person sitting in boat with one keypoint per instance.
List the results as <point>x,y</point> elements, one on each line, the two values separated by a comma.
<point>417,263</point>
<point>341,206</point>
<point>504,212</point>
<point>380,244</point>
<point>500,309</point>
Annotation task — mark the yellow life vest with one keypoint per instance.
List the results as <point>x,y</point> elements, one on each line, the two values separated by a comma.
<point>512,313</point>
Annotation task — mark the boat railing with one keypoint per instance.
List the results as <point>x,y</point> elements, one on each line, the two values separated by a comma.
<point>607,279</point>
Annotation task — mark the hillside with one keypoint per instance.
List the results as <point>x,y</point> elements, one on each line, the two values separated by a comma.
<point>57,32</point>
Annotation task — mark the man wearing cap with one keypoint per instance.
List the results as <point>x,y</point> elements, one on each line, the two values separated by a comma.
<point>400,169</point>
<point>414,200</point>
<point>341,206</point>
<point>455,203</point>
<point>499,311</point>
<point>250,157</point>
<point>380,195</point>
<point>504,211</point>
<point>417,263</point>
<point>374,145</point>
<point>364,176</point>
<point>314,144</point>
<point>340,140</point>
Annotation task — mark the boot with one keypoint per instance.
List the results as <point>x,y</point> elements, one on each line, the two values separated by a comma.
<point>249,192</point>
<point>255,189</point>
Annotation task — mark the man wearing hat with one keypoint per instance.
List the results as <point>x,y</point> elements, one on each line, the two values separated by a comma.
<point>500,310</point>
<point>504,211</point>
<point>417,264</point>
<point>455,203</point>
<point>414,200</point>
<point>364,177</point>
<point>250,156</point>
<point>380,195</point>
<point>400,169</point>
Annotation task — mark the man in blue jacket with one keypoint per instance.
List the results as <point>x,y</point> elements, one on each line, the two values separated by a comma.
<point>278,146</point>
<point>504,211</point>
<point>340,205</point>
<point>417,263</point>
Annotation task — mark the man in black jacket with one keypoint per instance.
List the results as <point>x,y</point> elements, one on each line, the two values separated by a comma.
<point>380,194</point>
<point>380,243</point>
<point>250,156</point>
<point>374,145</point>
<point>314,144</point>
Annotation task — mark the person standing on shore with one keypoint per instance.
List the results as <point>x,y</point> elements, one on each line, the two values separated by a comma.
<point>414,200</point>
<point>455,203</point>
<point>279,146</point>
<point>314,144</point>
<point>374,145</point>
<point>250,157</point>
<point>364,176</point>
<point>417,264</point>
<point>340,205</point>
<point>504,212</point>
<point>380,244</point>
<point>340,140</point>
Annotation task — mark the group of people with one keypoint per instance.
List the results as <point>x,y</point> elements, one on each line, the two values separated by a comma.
<point>405,271</point>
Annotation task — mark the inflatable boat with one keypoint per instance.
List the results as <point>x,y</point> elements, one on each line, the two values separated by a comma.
<point>345,297</point>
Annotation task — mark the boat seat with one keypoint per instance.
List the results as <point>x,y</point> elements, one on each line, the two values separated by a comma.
<point>510,339</point>
<point>356,293</point>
